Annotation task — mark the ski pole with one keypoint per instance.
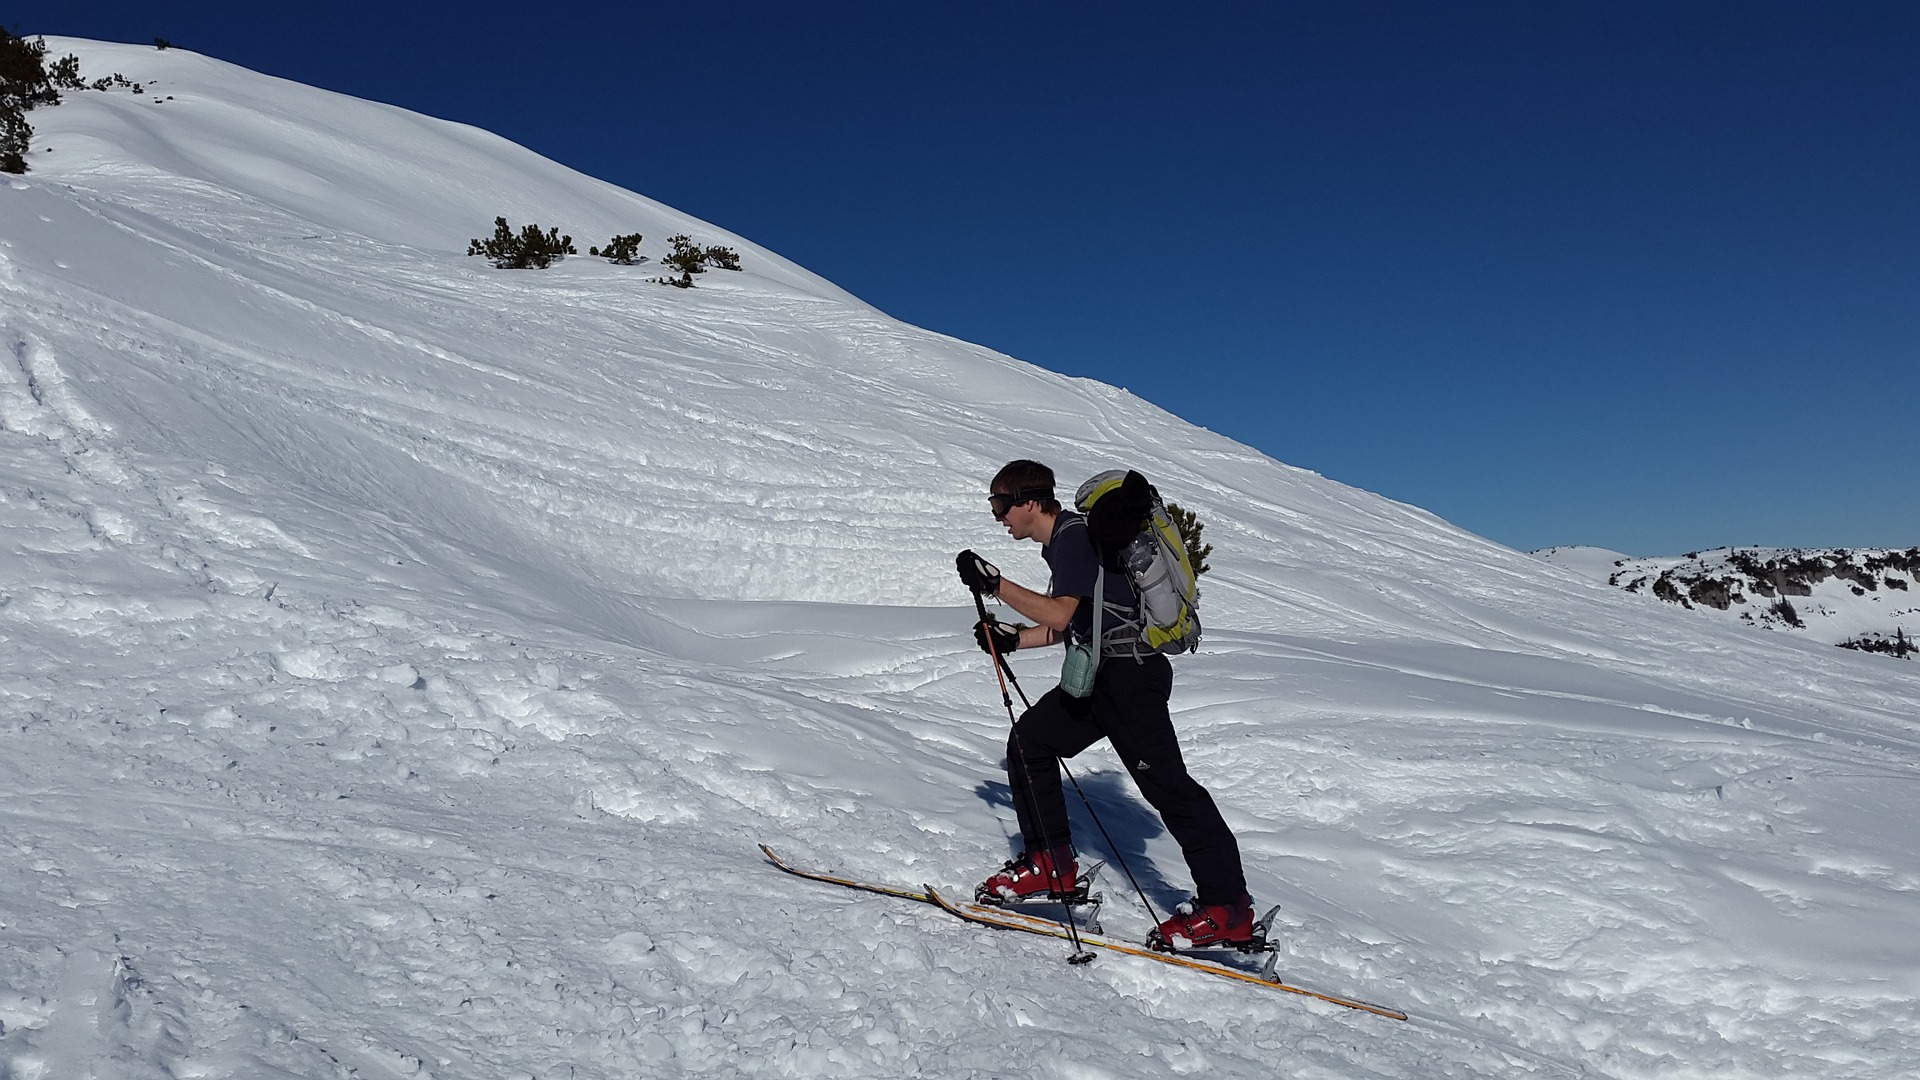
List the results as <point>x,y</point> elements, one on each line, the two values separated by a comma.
<point>1005,673</point>
<point>1081,954</point>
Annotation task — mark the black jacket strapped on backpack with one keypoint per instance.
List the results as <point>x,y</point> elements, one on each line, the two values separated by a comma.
<point>1075,563</point>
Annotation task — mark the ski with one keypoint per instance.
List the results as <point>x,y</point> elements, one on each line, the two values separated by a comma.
<point>1007,920</point>
<point>851,883</point>
<point>1086,905</point>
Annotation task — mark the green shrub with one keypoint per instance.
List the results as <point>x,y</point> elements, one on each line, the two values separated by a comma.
<point>531,249</point>
<point>24,79</point>
<point>624,250</point>
<point>65,73</point>
<point>27,82</point>
<point>1786,613</point>
<point>1899,645</point>
<point>685,257</point>
<point>1189,525</point>
<point>690,259</point>
<point>15,136</point>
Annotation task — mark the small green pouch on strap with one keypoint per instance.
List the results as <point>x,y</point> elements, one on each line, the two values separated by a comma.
<point>1078,670</point>
<point>1082,663</point>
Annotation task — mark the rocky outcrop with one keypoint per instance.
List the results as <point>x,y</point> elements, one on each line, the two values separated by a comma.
<point>1859,597</point>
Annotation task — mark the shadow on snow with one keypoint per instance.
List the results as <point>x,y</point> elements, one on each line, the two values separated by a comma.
<point>1129,822</point>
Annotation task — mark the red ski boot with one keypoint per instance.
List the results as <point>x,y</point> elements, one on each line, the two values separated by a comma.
<point>1043,874</point>
<point>1206,926</point>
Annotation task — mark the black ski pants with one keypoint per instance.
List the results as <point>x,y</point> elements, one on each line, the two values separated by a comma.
<point>1128,708</point>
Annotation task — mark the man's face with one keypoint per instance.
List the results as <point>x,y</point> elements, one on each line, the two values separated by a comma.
<point>1021,520</point>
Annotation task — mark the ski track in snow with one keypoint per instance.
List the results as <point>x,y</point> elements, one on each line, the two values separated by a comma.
<point>403,659</point>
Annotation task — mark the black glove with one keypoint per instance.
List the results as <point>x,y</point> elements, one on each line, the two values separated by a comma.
<point>996,637</point>
<point>977,573</point>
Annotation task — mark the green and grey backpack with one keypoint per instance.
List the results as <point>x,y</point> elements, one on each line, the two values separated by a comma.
<point>1134,535</point>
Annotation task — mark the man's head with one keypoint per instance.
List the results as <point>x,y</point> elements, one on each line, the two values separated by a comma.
<point>1021,496</point>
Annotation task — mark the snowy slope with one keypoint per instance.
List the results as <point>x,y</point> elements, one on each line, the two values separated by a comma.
<point>403,657</point>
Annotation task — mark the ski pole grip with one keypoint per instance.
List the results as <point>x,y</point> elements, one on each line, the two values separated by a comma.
<point>1000,663</point>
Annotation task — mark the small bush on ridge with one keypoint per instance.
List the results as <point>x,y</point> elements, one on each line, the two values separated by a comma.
<point>531,249</point>
<point>1899,645</point>
<point>624,250</point>
<point>1190,527</point>
<point>690,259</point>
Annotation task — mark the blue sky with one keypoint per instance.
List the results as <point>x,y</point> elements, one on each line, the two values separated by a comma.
<point>1640,275</point>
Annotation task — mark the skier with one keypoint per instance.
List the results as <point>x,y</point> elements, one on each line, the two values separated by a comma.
<point>1127,706</point>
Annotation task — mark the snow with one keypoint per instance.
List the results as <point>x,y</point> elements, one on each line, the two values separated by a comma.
<point>1597,563</point>
<point>403,659</point>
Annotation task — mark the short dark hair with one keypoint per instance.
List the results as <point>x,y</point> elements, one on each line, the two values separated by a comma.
<point>1029,478</point>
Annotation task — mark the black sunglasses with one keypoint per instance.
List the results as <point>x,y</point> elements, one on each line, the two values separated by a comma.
<point>1002,501</point>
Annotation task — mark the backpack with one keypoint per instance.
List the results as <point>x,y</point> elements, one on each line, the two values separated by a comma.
<point>1130,528</point>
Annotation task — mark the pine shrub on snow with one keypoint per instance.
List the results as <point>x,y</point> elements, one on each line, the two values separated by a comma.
<point>1189,525</point>
<point>15,136</point>
<point>690,259</point>
<point>624,250</point>
<point>1786,613</point>
<point>27,81</point>
<point>530,249</point>
<point>1899,644</point>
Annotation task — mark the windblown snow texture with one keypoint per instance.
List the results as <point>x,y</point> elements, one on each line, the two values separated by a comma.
<point>402,658</point>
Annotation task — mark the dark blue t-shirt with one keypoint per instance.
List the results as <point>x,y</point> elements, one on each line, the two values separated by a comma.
<point>1076,566</point>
